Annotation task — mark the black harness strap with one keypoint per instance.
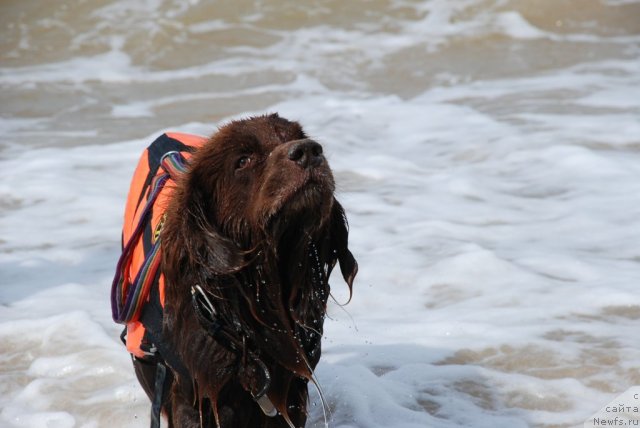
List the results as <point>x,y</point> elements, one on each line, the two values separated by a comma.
<point>151,318</point>
<point>156,405</point>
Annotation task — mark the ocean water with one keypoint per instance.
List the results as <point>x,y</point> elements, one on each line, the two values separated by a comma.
<point>487,153</point>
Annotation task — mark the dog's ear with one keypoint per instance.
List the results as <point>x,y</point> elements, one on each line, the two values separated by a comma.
<point>202,244</point>
<point>339,238</point>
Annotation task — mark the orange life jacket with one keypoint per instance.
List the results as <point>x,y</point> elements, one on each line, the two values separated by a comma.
<point>138,341</point>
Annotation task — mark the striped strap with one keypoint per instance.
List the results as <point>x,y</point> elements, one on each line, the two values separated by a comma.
<point>127,298</point>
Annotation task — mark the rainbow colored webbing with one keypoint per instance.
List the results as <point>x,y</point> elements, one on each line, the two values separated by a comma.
<point>128,298</point>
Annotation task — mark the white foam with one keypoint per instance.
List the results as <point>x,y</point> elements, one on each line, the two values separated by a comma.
<point>495,222</point>
<point>514,25</point>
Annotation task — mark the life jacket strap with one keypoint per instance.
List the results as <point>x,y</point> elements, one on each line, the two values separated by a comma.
<point>156,405</point>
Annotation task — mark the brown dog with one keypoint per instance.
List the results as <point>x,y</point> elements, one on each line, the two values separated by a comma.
<point>251,235</point>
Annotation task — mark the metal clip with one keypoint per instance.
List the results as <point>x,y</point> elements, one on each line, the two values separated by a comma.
<point>261,397</point>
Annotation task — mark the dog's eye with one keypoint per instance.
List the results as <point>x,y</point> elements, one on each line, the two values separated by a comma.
<point>243,162</point>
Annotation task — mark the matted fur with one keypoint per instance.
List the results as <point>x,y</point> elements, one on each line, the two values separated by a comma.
<point>255,224</point>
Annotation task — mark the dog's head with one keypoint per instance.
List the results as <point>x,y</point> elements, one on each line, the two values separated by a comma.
<point>259,176</point>
<point>255,222</point>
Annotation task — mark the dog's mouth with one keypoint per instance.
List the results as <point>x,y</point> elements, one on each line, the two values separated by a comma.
<point>311,193</point>
<point>308,196</point>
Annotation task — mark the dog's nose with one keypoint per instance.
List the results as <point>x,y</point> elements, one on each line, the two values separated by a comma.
<point>306,153</point>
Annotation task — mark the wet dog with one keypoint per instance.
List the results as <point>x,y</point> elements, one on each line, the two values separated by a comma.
<point>251,236</point>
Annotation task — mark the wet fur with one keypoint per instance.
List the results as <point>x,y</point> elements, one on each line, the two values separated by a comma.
<point>263,239</point>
